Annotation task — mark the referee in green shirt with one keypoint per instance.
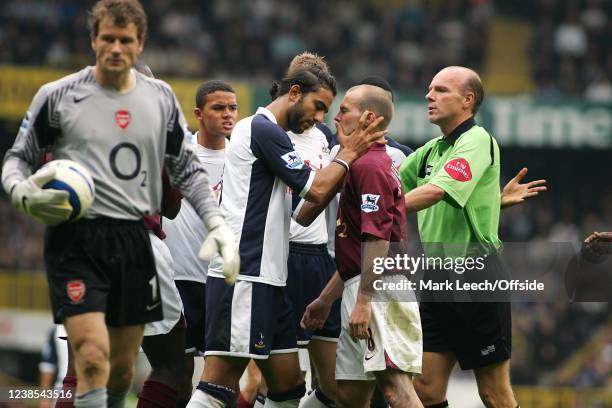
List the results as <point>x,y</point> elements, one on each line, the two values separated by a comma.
<point>453,183</point>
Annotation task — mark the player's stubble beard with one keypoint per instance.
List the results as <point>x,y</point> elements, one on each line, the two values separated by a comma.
<point>295,116</point>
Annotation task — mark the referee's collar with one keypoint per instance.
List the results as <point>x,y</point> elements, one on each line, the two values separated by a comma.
<point>264,111</point>
<point>459,130</point>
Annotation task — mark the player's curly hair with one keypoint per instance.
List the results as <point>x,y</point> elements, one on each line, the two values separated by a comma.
<point>122,12</point>
<point>307,60</point>
<point>309,80</point>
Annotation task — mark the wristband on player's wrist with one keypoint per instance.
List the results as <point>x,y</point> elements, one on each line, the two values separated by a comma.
<point>342,163</point>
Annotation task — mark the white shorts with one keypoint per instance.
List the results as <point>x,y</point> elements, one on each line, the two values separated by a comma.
<point>397,338</point>
<point>171,300</point>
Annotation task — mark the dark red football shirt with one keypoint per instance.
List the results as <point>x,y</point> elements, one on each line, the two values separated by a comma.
<point>371,202</point>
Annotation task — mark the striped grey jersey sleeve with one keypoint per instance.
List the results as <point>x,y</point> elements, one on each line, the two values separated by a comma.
<point>185,170</point>
<point>36,134</point>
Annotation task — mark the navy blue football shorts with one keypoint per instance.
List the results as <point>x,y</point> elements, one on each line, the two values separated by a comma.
<point>310,268</point>
<point>193,295</point>
<point>248,319</point>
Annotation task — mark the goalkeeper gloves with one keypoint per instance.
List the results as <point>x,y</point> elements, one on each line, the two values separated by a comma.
<point>221,239</point>
<point>47,206</point>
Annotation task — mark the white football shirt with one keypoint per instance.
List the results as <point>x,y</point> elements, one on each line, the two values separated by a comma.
<point>313,148</point>
<point>260,163</point>
<point>185,233</point>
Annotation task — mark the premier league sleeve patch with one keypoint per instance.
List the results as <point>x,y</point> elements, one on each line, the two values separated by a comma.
<point>459,169</point>
<point>293,161</point>
<point>369,202</point>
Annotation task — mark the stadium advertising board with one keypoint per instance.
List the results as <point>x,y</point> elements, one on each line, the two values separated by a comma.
<point>18,84</point>
<point>520,121</point>
<point>514,121</point>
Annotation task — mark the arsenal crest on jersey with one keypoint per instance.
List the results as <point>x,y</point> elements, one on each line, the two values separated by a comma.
<point>76,291</point>
<point>122,117</point>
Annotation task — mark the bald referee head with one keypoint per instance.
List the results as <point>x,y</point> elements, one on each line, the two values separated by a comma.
<point>455,94</point>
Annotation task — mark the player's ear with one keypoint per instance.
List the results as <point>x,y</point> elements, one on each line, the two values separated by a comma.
<point>370,117</point>
<point>295,93</point>
<point>197,112</point>
<point>469,100</point>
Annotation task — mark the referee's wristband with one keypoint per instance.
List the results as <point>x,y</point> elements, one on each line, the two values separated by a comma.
<point>342,163</point>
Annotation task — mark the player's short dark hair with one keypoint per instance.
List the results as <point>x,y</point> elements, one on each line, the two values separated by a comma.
<point>375,99</point>
<point>208,88</point>
<point>309,80</point>
<point>122,12</point>
<point>378,81</point>
<point>474,84</point>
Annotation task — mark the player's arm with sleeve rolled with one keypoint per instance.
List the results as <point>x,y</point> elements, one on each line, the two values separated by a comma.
<point>36,134</point>
<point>328,180</point>
<point>188,175</point>
<point>373,247</point>
<point>376,227</point>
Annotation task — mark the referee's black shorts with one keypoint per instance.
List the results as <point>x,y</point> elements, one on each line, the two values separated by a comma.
<point>477,333</point>
<point>102,265</point>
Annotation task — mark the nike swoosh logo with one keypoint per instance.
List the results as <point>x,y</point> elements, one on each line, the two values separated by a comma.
<point>24,199</point>
<point>77,100</point>
<point>151,307</point>
<point>368,358</point>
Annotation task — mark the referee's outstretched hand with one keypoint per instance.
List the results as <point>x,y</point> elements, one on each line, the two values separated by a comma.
<point>365,134</point>
<point>221,240</point>
<point>515,193</point>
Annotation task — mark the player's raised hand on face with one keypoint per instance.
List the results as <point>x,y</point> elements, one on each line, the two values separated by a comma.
<point>363,136</point>
<point>221,240</point>
<point>360,320</point>
<point>316,314</point>
<point>515,193</point>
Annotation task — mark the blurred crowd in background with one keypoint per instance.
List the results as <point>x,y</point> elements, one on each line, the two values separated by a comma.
<point>404,41</point>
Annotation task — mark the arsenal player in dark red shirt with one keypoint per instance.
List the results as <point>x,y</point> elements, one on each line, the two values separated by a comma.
<point>375,344</point>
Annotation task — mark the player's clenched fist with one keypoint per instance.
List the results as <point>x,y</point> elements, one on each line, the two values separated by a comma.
<point>47,206</point>
<point>221,240</point>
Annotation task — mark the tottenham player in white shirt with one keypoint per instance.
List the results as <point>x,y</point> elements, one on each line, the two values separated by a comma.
<point>123,127</point>
<point>216,111</point>
<point>252,318</point>
<point>309,265</point>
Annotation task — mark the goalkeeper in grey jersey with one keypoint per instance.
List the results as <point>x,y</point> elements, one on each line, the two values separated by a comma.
<point>124,127</point>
